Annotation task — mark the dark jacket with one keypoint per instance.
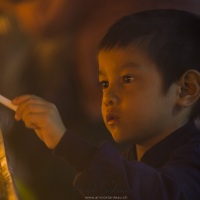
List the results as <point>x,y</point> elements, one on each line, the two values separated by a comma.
<point>170,170</point>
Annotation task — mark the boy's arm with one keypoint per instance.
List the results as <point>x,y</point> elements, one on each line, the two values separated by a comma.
<point>41,116</point>
<point>75,151</point>
<point>44,118</point>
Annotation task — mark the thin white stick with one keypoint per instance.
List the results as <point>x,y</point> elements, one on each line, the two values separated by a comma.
<point>6,102</point>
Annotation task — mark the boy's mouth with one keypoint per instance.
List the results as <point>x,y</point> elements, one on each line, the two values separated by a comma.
<point>112,119</point>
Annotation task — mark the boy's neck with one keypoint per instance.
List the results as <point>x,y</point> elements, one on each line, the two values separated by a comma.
<point>142,147</point>
<point>145,146</point>
<point>140,151</point>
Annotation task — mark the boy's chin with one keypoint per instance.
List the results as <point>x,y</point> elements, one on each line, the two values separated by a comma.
<point>120,140</point>
<point>120,137</point>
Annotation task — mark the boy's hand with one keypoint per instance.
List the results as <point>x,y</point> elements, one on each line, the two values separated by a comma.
<point>42,116</point>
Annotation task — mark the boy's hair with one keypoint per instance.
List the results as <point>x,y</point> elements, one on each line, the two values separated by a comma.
<point>171,38</point>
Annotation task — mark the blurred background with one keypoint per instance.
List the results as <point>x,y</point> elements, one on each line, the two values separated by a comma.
<point>48,48</point>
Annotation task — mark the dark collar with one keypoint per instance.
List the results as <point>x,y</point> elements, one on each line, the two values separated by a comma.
<point>159,153</point>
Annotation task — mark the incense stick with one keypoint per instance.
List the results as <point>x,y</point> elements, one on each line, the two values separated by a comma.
<point>6,102</point>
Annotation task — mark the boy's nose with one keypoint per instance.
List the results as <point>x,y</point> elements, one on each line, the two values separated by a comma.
<point>109,99</point>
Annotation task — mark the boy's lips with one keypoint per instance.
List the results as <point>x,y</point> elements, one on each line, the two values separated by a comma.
<point>112,119</point>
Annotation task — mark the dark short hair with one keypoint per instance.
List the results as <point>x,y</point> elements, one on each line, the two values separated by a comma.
<point>170,37</point>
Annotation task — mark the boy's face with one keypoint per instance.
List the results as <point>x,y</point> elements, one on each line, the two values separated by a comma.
<point>134,107</point>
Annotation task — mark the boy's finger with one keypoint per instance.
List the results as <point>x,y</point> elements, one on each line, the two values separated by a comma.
<point>29,103</point>
<point>30,106</point>
<point>21,99</point>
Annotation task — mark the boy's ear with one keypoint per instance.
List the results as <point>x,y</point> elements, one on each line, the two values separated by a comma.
<point>189,88</point>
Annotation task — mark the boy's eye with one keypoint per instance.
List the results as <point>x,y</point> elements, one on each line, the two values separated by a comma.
<point>128,79</point>
<point>104,84</point>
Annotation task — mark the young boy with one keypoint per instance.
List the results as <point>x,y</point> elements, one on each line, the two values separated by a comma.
<point>149,66</point>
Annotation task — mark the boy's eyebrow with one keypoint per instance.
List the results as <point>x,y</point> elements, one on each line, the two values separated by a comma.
<point>131,65</point>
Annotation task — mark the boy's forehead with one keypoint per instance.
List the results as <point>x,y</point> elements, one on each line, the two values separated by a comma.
<point>127,56</point>
<point>118,59</point>
<point>128,50</point>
